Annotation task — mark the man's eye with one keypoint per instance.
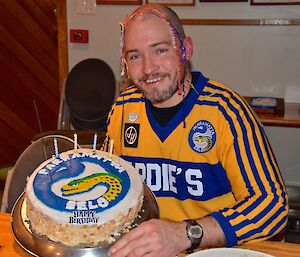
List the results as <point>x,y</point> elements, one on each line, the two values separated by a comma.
<point>161,51</point>
<point>133,57</point>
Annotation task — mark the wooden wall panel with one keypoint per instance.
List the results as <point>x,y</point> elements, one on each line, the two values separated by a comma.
<point>29,73</point>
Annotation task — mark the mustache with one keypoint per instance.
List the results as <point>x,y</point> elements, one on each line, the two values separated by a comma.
<point>152,76</point>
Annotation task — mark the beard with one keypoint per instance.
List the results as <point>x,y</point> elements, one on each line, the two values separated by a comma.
<point>155,94</point>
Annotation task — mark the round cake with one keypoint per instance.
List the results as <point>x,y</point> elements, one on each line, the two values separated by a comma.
<point>83,196</point>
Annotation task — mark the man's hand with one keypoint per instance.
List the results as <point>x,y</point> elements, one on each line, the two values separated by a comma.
<point>157,238</point>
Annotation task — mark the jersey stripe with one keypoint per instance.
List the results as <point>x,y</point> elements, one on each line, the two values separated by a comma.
<point>260,200</point>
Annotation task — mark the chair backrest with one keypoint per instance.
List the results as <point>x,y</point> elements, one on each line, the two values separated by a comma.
<point>30,159</point>
<point>89,92</point>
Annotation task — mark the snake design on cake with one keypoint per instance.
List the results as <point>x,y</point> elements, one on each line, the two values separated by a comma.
<point>78,186</point>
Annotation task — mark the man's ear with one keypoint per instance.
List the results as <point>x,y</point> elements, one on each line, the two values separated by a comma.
<point>188,44</point>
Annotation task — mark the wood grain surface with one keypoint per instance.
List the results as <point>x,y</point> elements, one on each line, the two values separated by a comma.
<point>9,247</point>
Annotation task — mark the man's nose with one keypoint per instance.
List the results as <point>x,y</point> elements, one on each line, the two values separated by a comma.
<point>149,64</point>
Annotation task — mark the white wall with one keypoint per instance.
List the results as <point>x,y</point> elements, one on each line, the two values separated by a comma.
<point>286,146</point>
<point>253,60</point>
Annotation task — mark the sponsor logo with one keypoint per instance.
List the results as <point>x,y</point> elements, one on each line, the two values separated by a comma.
<point>202,136</point>
<point>131,135</point>
<point>182,180</point>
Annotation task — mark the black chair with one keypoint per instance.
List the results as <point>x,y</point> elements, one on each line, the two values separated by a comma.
<point>89,92</point>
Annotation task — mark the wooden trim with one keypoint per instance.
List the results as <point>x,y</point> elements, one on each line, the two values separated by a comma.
<point>63,66</point>
<point>173,2</point>
<point>222,1</point>
<point>120,2</point>
<point>243,22</point>
<point>274,2</point>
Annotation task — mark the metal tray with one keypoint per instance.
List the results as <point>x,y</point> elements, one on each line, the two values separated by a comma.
<point>43,247</point>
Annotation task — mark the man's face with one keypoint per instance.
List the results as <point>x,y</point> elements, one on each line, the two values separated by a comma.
<point>151,58</point>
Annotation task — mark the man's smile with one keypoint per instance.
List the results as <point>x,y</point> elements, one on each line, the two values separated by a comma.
<point>154,80</point>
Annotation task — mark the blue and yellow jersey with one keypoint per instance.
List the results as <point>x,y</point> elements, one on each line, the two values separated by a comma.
<point>212,158</point>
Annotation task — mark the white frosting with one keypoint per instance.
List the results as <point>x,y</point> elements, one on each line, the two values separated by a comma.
<point>130,200</point>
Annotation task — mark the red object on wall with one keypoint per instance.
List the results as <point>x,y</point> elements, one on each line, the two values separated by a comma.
<point>79,36</point>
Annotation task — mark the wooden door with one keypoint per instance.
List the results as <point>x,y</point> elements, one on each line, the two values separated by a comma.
<point>29,73</point>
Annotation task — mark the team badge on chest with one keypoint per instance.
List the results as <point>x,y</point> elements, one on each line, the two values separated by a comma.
<point>131,135</point>
<point>133,116</point>
<point>202,136</point>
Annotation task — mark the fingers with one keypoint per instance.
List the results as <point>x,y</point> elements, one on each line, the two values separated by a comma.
<point>126,239</point>
<point>137,248</point>
<point>137,242</point>
<point>128,242</point>
<point>153,238</point>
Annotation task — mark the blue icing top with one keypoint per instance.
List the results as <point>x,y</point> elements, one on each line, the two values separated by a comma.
<point>68,172</point>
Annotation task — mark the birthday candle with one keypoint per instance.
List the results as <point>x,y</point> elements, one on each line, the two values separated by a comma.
<point>95,142</point>
<point>75,141</point>
<point>56,148</point>
<point>111,148</point>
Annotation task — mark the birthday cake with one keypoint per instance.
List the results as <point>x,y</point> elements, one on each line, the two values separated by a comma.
<point>83,197</point>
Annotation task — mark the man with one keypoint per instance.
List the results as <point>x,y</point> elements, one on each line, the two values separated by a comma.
<point>195,142</point>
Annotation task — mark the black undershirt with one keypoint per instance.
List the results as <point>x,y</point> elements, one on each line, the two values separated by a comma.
<point>164,115</point>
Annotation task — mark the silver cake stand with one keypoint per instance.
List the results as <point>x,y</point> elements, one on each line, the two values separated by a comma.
<point>43,247</point>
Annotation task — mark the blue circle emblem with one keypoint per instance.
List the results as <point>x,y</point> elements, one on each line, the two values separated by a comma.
<point>69,174</point>
<point>202,136</point>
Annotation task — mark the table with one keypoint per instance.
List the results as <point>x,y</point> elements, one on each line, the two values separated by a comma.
<point>275,248</point>
<point>9,247</point>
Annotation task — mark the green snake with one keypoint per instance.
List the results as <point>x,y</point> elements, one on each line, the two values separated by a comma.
<point>82,185</point>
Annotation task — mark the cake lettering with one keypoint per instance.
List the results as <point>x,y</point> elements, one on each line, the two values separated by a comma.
<point>117,166</point>
<point>83,220</point>
<point>87,205</point>
<point>84,214</point>
<point>43,172</point>
<point>51,165</point>
<point>83,217</point>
